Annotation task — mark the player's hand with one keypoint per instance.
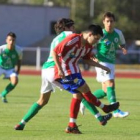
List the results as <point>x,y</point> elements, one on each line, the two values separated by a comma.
<point>124,51</point>
<point>95,59</point>
<point>61,74</point>
<point>107,70</point>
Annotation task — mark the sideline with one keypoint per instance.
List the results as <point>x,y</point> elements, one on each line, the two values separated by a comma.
<point>118,74</point>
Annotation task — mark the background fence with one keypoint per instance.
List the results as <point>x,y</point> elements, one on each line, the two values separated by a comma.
<point>36,56</point>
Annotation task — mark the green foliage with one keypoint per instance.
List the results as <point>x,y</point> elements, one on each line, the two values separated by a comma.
<point>3,1</point>
<point>37,2</point>
<point>126,11</point>
<point>50,122</point>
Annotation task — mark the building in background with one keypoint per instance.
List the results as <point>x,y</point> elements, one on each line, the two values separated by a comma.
<point>32,24</point>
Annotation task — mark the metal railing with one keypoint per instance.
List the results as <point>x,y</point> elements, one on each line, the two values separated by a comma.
<point>36,56</point>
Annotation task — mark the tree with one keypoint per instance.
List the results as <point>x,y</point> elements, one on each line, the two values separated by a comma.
<point>3,1</point>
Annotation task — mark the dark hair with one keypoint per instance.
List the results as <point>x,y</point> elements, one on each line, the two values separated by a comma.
<point>12,34</point>
<point>62,23</point>
<point>110,15</point>
<point>95,29</point>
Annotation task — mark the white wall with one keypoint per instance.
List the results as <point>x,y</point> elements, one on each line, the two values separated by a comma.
<point>30,23</point>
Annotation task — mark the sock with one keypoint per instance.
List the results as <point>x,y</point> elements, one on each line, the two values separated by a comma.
<point>74,109</point>
<point>7,89</point>
<point>111,94</point>
<point>31,113</point>
<point>92,109</point>
<point>92,99</point>
<point>99,117</point>
<point>99,94</point>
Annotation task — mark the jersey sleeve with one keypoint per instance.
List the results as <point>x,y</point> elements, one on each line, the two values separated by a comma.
<point>62,48</point>
<point>121,36</point>
<point>122,39</point>
<point>20,52</point>
<point>2,48</point>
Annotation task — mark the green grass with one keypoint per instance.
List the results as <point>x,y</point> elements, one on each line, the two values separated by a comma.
<point>50,122</point>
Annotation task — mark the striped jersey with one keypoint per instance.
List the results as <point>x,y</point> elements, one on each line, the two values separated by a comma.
<point>50,63</point>
<point>70,50</point>
<point>107,46</point>
<point>9,58</point>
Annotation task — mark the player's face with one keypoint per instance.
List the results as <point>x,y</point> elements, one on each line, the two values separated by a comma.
<point>92,39</point>
<point>108,24</point>
<point>10,41</point>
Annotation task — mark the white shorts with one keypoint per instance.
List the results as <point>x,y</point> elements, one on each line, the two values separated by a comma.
<point>7,73</point>
<point>48,83</point>
<point>102,76</point>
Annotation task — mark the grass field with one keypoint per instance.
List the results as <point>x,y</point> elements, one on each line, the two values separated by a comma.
<point>50,122</point>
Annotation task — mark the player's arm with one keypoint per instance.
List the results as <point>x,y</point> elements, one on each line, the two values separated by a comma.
<point>122,45</point>
<point>18,66</point>
<point>57,53</point>
<point>57,63</point>
<point>20,56</point>
<point>123,48</point>
<point>93,57</point>
<point>96,64</point>
<point>89,59</point>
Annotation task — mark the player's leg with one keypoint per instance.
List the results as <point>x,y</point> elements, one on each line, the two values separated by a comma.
<point>46,89</point>
<point>99,94</point>
<point>111,96</point>
<point>74,109</point>
<point>33,110</point>
<point>84,89</point>
<point>13,82</point>
<point>102,119</point>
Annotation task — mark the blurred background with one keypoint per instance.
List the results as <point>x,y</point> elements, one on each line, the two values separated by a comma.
<point>33,21</point>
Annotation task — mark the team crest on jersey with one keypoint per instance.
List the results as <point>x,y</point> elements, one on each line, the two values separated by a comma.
<point>4,55</point>
<point>116,40</point>
<point>13,56</point>
<point>72,55</point>
<point>107,42</point>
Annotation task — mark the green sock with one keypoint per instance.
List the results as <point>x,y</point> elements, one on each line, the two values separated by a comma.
<point>31,112</point>
<point>99,93</point>
<point>92,109</point>
<point>7,89</point>
<point>111,94</point>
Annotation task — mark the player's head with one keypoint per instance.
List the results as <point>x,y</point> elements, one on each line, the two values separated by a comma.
<point>11,38</point>
<point>93,34</point>
<point>108,21</point>
<point>64,24</point>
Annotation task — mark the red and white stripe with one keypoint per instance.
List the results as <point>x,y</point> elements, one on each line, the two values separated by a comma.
<point>72,46</point>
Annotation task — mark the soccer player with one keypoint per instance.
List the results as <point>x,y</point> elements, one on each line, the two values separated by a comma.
<point>106,53</point>
<point>63,28</point>
<point>10,57</point>
<point>67,72</point>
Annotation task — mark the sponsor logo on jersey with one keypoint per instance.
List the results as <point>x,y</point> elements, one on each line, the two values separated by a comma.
<point>116,40</point>
<point>107,42</point>
<point>13,56</point>
<point>4,55</point>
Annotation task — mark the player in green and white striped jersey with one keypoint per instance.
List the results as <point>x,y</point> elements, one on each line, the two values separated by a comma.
<point>10,56</point>
<point>63,28</point>
<point>112,40</point>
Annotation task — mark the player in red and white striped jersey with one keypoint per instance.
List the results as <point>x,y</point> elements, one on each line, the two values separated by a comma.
<point>66,56</point>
